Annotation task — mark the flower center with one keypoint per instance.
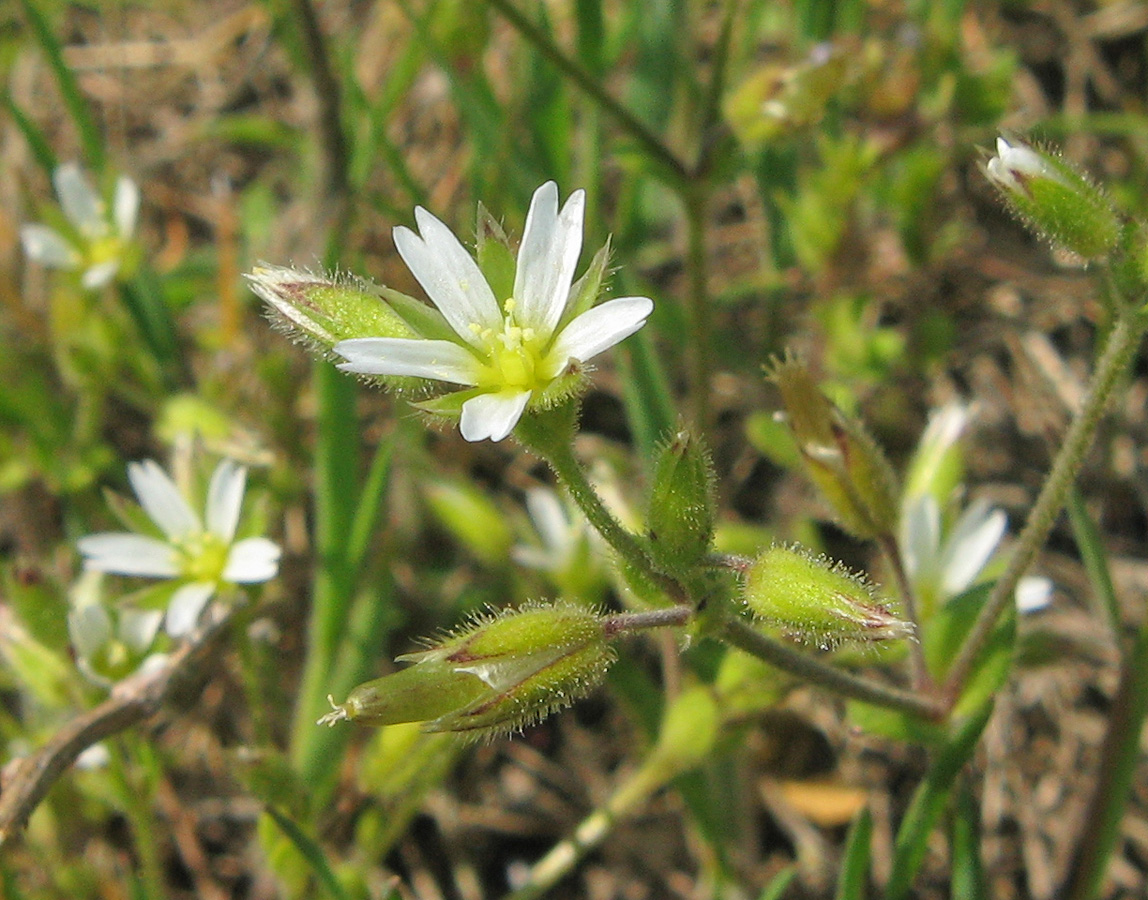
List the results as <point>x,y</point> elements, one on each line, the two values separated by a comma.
<point>203,557</point>
<point>513,353</point>
<point>104,249</point>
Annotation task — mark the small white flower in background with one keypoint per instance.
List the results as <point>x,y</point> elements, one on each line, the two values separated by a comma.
<point>101,238</point>
<point>507,350</point>
<point>563,534</point>
<point>201,553</point>
<point>110,643</point>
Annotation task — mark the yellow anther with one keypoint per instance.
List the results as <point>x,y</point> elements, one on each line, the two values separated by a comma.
<point>510,305</point>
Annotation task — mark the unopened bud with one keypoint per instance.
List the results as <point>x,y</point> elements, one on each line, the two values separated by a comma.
<point>323,310</point>
<point>839,455</point>
<point>497,674</point>
<point>681,514</point>
<point>1054,199</point>
<point>817,601</point>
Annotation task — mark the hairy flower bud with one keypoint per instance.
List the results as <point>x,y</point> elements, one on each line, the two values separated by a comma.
<point>499,673</point>
<point>818,601</point>
<point>839,455</point>
<point>1054,199</point>
<point>323,310</point>
<point>681,514</point>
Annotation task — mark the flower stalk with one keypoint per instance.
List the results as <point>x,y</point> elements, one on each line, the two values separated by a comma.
<point>1119,350</point>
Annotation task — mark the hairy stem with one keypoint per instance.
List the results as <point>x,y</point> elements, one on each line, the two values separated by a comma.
<point>735,630</point>
<point>1120,348</point>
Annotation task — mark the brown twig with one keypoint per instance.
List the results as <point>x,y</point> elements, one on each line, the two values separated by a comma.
<point>26,781</point>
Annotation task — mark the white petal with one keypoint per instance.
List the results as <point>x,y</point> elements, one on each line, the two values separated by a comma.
<point>449,275</point>
<point>598,329</point>
<point>975,538</point>
<point>224,498</point>
<point>251,561</point>
<point>921,537</point>
<point>89,627</point>
<point>492,416</point>
<point>1033,593</point>
<point>138,627</point>
<point>95,277</point>
<point>186,606</point>
<point>49,248</point>
<point>551,244</point>
<point>162,501</point>
<point>549,518</point>
<point>82,205</point>
<point>129,554</point>
<point>127,206</point>
<point>440,360</point>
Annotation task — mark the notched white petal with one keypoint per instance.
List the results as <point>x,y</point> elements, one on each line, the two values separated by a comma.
<point>47,247</point>
<point>81,204</point>
<point>122,553</point>
<point>95,277</point>
<point>251,561</point>
<point>186,606</point>
<point>162,501</point>
<point>449,275</point>
<point>225,498</point>
<point>439,360</point>
<point>127,206</point>
<point>599,329</point>
<point>492,416</point>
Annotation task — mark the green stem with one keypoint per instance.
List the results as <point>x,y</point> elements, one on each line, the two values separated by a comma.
<point>1120,348</point>
<point>1118,761</point>
<point>136,805</point>
<point>576,73</point>
<point>550,435</point>
<point>735,630</point>
<point>698,318</point>
<point>623,623</point>
<point>922,680</point>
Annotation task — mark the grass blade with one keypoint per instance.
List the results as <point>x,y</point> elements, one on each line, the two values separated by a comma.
<point>310,851</point>
<point>855,866</point>
<point>74,100</point>
<point>1094,557</point>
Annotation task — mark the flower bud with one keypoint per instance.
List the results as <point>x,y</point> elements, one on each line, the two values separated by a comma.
<point>322,310</point>
<point>1054,200</point>
<point>937,467</point>
<point>681,514</point>
<point>689,729</point>
<point>497,674</point>
<point>817,601</point>
<point>839,455</point>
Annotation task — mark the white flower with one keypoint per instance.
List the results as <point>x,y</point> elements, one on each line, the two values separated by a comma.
<point>200,553</point>
<point>100,241</point>
<point>506,351</point>
<point>1013,164</point>
<point>112,643</point>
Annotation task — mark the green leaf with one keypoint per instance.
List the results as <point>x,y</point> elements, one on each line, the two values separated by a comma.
<point>38,144</point>
<point>311,852</point>
<point>776,889</point>
<point>1095,559</point>
<point>968,881</point>
<point>650,407</point>
<point>946,634</point>
<point>854,877</point>
<point>929,801</point>
<point>74,99</point>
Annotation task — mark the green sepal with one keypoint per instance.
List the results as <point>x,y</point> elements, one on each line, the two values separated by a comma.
<point>495,259</point>
<point>682,506</point>
<point>586,290</point>
<point>423,319</point>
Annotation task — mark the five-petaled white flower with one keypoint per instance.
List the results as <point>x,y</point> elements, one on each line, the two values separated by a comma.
<point>201,553</point>
<point>100,241</point>
<point>510,351</point>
